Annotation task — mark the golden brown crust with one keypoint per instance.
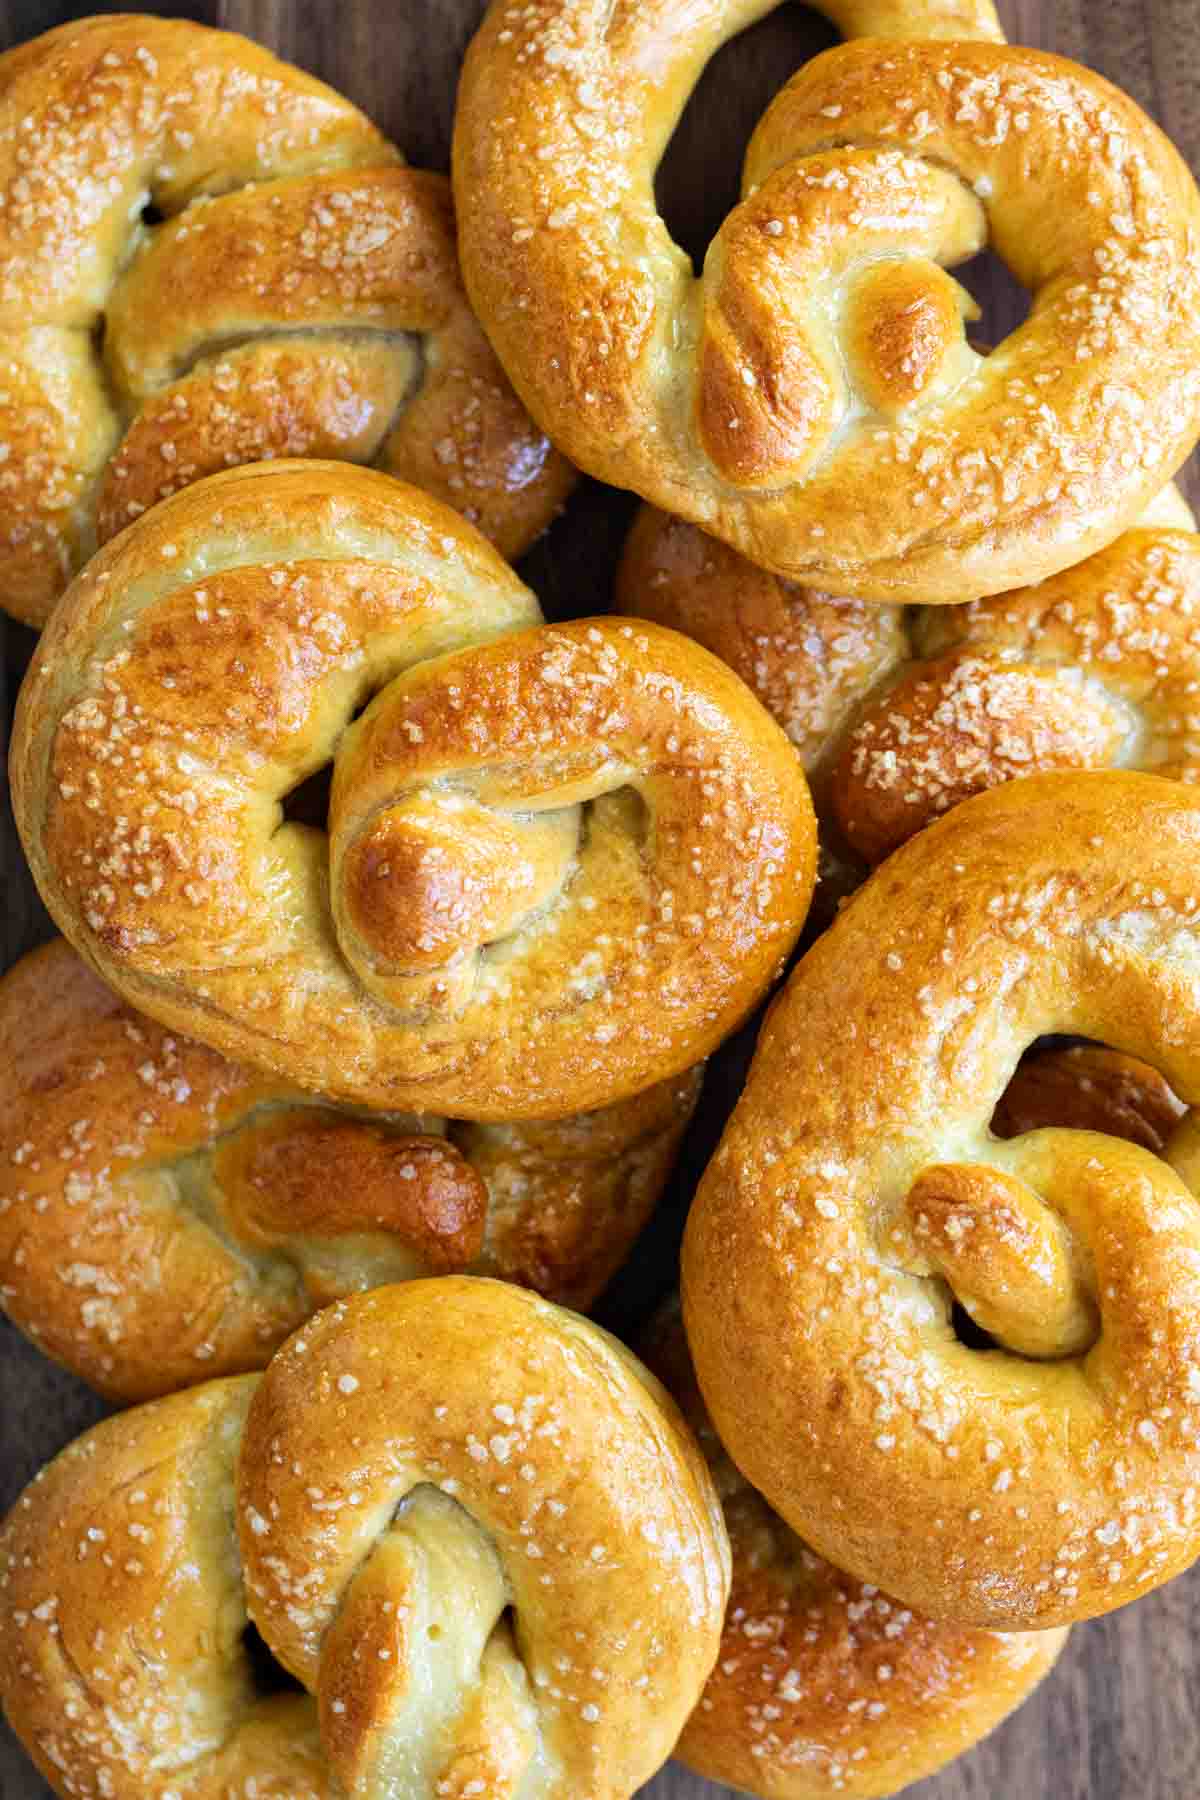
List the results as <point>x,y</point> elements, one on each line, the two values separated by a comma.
<point>1050,1489</point>
<point>903,329</point>
<point>738,400</point>
<point>302,1177</point>
<point>122,1664</point>
<point>1095,667</point>
<point>428,1506</point>
<point>422,1460</point>
<point>1009,1260</point>
<point>900,716</point>
<point>301,298</point>
<point>212,658</point>
<point>823,1686</point>
<point>959,724</point>
<point>809,656</point>
<point>166,1216</point>
<point>567,1198</point>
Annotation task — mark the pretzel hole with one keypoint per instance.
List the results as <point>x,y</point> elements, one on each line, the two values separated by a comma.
<point>1004,304</point>
<point>623,810</point>
<point>699,176</point>
<point>308,802</point>
<point>267,1674</point>
<point>970,1334</point>
<point>1080,1085</point>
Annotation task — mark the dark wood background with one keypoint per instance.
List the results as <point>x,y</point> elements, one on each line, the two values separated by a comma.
<point>1120,1717</point>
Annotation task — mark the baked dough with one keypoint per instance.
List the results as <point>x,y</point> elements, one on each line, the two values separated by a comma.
<point>562,862</point>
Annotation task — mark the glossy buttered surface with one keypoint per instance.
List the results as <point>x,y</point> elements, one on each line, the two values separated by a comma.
<point>470,1525</point>
<point>562,862</point>
<point>812,397</point>
<point>210,258</point>
<point>859,1190</point>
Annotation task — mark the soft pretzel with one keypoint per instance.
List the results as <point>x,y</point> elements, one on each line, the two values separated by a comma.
<point>562,862</point>
<point>898,715</point>
<point>167,1217</point>
<point>858,1191</point>
<point>431,1489</point>
<point>823,1685</point>
<point>124,1664</point>
<point>812,398</point>
<point>300,296</point>
<point>1096,667</point>
<point>503,1488</point>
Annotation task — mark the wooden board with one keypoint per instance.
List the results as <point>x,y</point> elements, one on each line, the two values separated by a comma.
<point>1120,1719</point>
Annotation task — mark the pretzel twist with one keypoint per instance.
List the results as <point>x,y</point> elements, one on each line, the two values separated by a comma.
<point>466,1502</point>
<point>562,861</point>
<point>812,398</point>
<point>477,1450</point>
<point>124,1668</point>
<point>859,1190</point>
<point>823,1686</point>
<point>301,296</point>
<point>899,716</point>
<point>167,1217</point>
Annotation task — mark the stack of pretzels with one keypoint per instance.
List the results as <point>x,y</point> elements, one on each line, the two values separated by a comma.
<point>399,923</point>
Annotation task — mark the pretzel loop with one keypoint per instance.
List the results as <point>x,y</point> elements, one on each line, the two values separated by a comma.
<point>300,296</point>
<point>432,1588</point>
<point>531,831</point>
<point>968,115</point>
<point>811,398</point>
<point>430,1496</point>
<point>859,1192</point>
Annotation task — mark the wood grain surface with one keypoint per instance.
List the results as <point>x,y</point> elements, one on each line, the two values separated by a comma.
<point>1120,1718</point>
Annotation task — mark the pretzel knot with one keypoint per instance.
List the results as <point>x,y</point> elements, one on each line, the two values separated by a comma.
<point>812,398</point>
<point>859,1191</point>
<point>562,862</point>
<point>824,1686</point>
<point>191,1213</point>
<point>1095,667</point>
<point>467,1593</point>
<point>430,1489</point>
<point>300,296</point>
<point>899,715</point>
